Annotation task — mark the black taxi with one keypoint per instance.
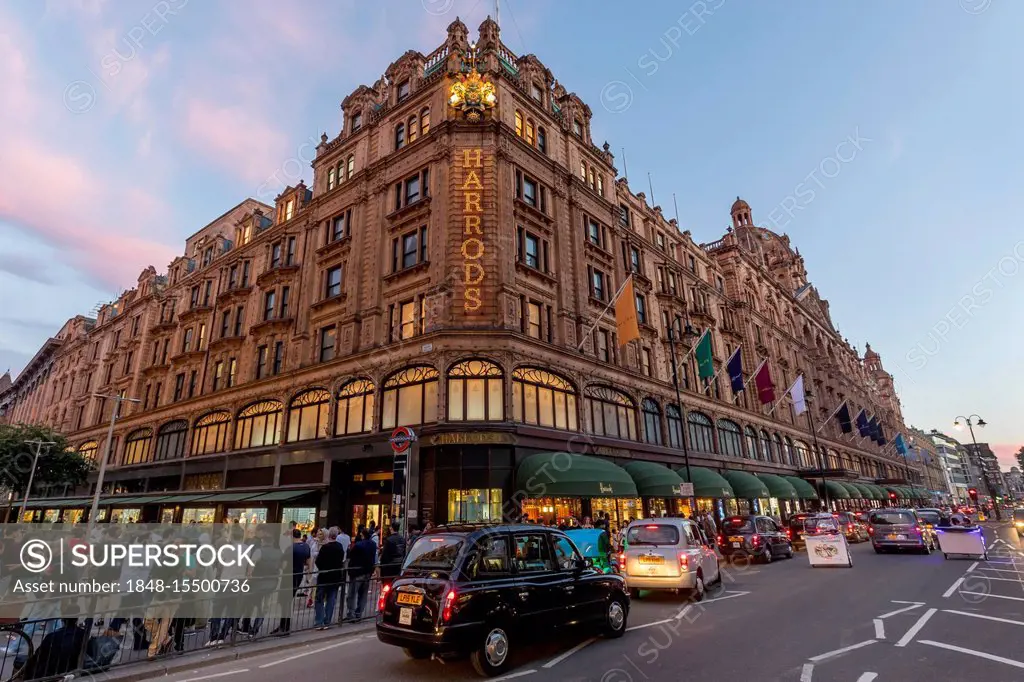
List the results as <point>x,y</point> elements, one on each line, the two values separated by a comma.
<point>482,590</point>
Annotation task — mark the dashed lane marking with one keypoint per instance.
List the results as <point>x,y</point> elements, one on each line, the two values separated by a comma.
<point>953,588</point>
<point>728,595</point>
<point>915,628</point>
<point>978,615</point>
<point>1009,580</point>
<point>832,654</point>
<point>972,567</point>
<point>806,672</point>
<point>994,596</point>
<point>561,657</point>
<point>307,652</point>
<point>972,652</point>
<point>879,629</point>
<point>898,611</point>
<point>867,677</point>
<point>216,675</point>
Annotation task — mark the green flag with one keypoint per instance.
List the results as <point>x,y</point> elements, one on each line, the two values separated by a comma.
<point>705,365</point>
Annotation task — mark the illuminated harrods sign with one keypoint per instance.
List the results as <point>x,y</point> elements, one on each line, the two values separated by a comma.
<point>472,439</point>
<point>471,203</point>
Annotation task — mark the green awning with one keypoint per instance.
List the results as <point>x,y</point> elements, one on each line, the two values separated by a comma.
<point>895,489</point>
<point>182,499</point>
<point>878,493</point>
<point>122,501</point>
<point>653,479</point>
<point>804,489</point>
<point>855,493</point>
<point>279,496</point>
<point>779,487</point>
<point>560,474</point>
<point>230,497</point>
<point>708,483</point>
<point>866,492</point>
<point>746,486</point>
<point>836,491</point>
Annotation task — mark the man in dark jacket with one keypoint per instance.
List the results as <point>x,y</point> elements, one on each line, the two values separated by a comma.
<point>393,554</point>
<point>360,568</point>
<point>330,565</point>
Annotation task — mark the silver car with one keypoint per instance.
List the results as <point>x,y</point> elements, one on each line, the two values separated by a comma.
<point>667,554</point>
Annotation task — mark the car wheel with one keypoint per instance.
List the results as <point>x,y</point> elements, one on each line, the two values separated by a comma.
<point>789,552</point>
<point>767,557</point>
<point>699,589</point>
<point>415,653</point>
<point>615,618</point>
<point>492,656</point>
<point>634,593</point>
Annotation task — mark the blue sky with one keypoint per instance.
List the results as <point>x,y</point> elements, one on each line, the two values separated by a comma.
<point>127,126</point>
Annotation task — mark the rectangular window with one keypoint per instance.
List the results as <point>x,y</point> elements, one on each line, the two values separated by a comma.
<point>289,209</point>
<point>332,282</point>
<point>327,341</point>
<point>278,357</point>
<point>207,291</point>
<point>623,215</point>
<point>245,273</point>
<point>232,371</point>
<point>192,383</point>
<point>634,259</point>
<point>409,250</point>
<point>163,352</point>
<point>290,254</point>
<point>598,285</point>
<point>412,190</point>
<point>357,122</point>
<point>218,375</point>
<point>339,226</point>
<point>403,91</point>
<point>602,345</point>
<point>693,264</point>
<point>594,232</point>
<point>275,255</point>
<point>641,309</point>
<point>193,300</point>
<point>406,320</point>
<point>533,320</point>
<point>532,251</point>
<point>261,362</point>
<point>530,194</point>
<point>233,276</point>
<point>645,362</point>
<point>269,303</point>
<point>135,326</point>
<point>186,344</point>
<point>660,241</point>
<point>239,319</point>
<point>179,386</point>
<point>225,323</point>
<point>284,302</point>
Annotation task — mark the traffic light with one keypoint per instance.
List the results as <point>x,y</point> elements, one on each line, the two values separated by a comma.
<point>892,497</point>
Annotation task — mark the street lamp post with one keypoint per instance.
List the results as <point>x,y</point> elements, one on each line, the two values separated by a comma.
<point>40,444</point>
<point>688,332</point>
<point>114,414</point>
<point>971,421</point>
<point>808,398</point>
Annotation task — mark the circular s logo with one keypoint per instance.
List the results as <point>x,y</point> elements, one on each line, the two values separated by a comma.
<point>36,556</point>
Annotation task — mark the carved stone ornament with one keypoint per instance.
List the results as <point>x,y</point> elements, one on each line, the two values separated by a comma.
<point>473,96</point>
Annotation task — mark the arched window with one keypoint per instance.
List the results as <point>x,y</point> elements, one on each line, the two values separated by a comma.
<point>410,398</point>
<point>258,425</point>
<point>399,136</point>
<point>583,170</point>
<point>529,131</point>
<point>519,124</point>
<point>137,446</point>
<point>88,450</point>
<point>355,408</point>
<point>702,438</point>
<point>766,447</point>
<point>350,165</point>
<point>600,185</point>
<point>425,121</point>
<point>780,453</point>
<point>476,392</point>
<point>210,433</point>
<point>611,413</point>
<point>307,415</point>
<point>341,172</point>
<point>652,421</point>
<point>675,426</point>
<point>542,139</point>
<point>730,440</point>
<point>170,440</point>
<point>414,129</point>
<point>803,453</point>
<point>590,178</point>
<point>752,444</point>
<point>791,455</point>
<point>330,179</point>
<point>544,399</point>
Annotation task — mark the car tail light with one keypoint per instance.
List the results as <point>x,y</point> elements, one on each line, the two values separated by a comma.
<point>622,558</point>
<point>384,591</point>
<point>756,539</point>
<point>871,530</point>
<point>449,604</point>
<point>719,539</point>
<point>684,561</point>
<point>789,533</point>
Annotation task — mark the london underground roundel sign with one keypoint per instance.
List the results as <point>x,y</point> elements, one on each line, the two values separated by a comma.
<point>401,439</point>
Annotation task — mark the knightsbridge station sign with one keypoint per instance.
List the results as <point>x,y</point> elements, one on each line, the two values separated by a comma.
<point>470,200</point>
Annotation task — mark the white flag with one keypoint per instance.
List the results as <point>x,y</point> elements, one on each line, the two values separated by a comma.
<point>797,391</point>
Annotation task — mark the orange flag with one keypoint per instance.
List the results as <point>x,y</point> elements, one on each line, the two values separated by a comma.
<point>625,314</point>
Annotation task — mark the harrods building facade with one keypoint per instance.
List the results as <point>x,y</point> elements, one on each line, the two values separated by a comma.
<point>446,270</point>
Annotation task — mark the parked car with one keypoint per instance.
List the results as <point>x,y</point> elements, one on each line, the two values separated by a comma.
<point>798,526</point>
<point>668,554</point>
<point>755,537</point>
<point>898,529</point>
<point>483,590</point>
<point>852,527</point>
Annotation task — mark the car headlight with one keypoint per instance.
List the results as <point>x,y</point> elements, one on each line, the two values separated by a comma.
<point>1019,524</point>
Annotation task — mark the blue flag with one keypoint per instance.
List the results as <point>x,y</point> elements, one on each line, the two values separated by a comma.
<point>863,427</point>
<point>901,446</point>
<point>735,368</point>
<point>880,435</point>
<point>873,429</point>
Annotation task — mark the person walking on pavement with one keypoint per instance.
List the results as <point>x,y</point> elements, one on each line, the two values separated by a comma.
<point>392,555</point>
<point>361,562</point>
<point>301,562</point>
<point>330,563</point>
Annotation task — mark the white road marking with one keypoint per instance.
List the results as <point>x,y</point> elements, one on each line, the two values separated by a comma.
<point>728,595</point>
<point>996,596</point>
<point>978,615</point>
<point>879,629</point>
<point>1009,580</point>
<point>1001,570</point>
<point>307,652</point>
<point>897,611</point>
<point>867,677</point>
<point>521,673</point>
<point>831,654</point>
<point>915,603</point>
<point>972,652</point>
<point>561,657</point>
<point>915,628</point>
<point>215,675</point>
<point>972,567</point>
<point>806,672</point>
<point>953,587</point>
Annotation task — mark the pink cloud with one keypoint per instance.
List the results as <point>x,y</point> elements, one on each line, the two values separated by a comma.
<point>1005,453</point>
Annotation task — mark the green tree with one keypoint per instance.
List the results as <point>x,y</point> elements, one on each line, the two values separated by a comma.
<point>57,466</point>
<point>1020,457</point>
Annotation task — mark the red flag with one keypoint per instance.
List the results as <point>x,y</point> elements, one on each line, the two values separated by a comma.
<point>765,385</point>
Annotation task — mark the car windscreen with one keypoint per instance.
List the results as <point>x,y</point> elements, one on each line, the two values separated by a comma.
<point>821,524</point>
<point>434,552</point>
<point>652,534</point>
<point>737,524</point>
<point>929,517</point>
<point>890,518</point>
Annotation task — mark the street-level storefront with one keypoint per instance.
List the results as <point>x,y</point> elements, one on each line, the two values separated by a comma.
<point>714,495</point>
<point>856,496</point>
<point>872,496</point>
<point>835,495</point>
<point>752,496</point>
<point>659,487</point>
<point>807,495</point>
<point>784,498</point>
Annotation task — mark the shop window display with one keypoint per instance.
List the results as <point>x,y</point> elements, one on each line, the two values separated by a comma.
<point>543,399</point>
<point>304,517</point>
<point>552,510</point>
<point>475,505</point>
<point>198,515</point>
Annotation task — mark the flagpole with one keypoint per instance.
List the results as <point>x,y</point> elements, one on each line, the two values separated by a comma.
<point>817,449</point>
<point>682,420</point>
<point>603,313</point>
<point>725,365</point>
<point>754,374</point>
<point>784,395</point>
<point>834,413</point>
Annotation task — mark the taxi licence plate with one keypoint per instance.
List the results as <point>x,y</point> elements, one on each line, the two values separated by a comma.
<point>405,616</point>
<point>413,599</point>
<point>735,544</point>
<point>651,559</point>
<point>893,536</point>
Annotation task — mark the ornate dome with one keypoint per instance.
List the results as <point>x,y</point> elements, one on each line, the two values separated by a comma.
<point>739,205</point>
